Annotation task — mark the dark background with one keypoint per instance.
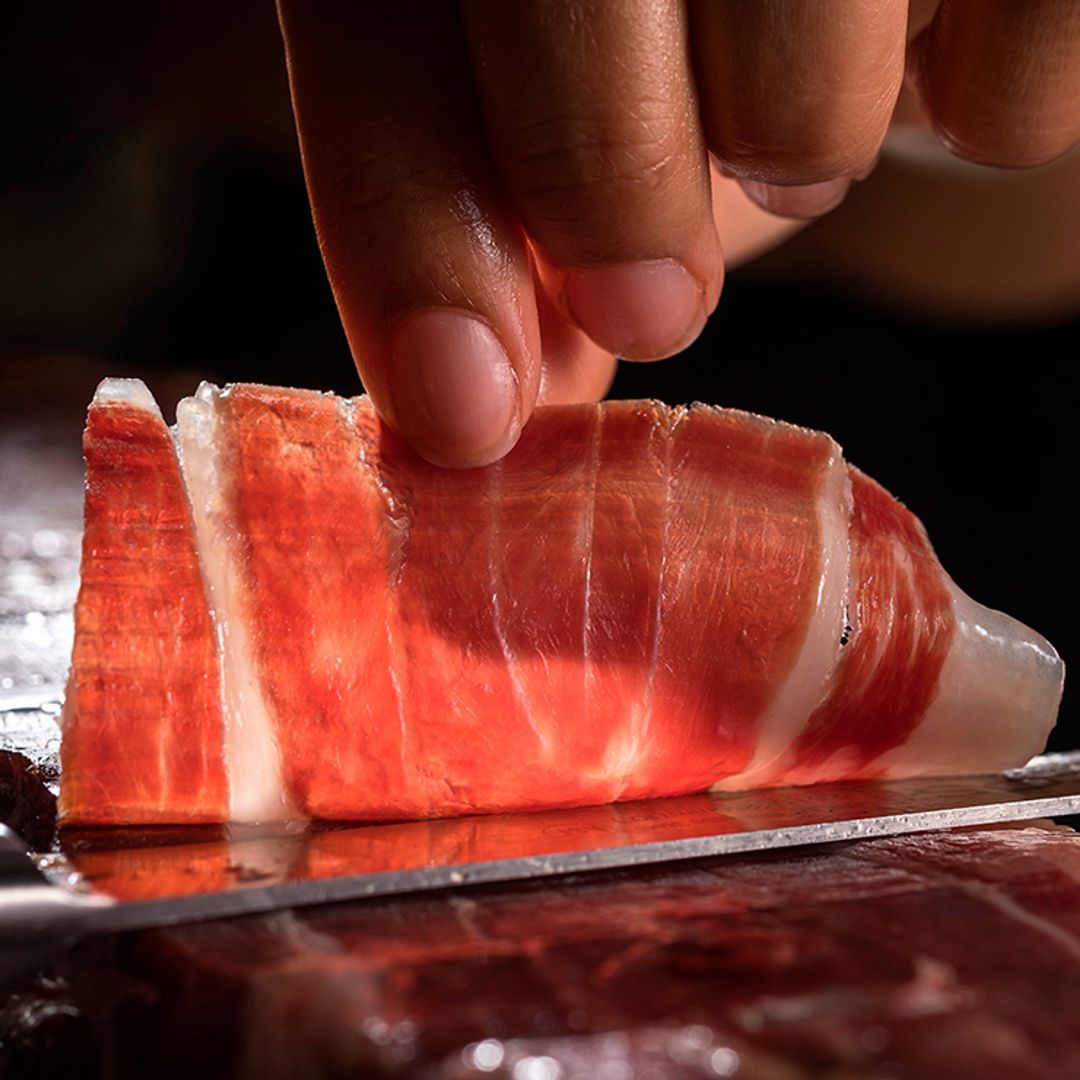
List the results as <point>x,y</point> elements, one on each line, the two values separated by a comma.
<point>140,236</point>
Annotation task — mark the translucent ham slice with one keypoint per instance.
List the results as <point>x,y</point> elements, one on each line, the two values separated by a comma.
<point>143,715</point>
<point>296,616</point>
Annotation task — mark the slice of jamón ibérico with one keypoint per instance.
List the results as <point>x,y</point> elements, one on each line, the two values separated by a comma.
<point>285,612</point>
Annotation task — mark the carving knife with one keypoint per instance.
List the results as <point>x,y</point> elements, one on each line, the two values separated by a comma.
<point>107,880</point>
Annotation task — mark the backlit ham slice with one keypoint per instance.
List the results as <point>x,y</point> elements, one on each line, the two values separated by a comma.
<point>144,696</point>
<point>305,619</point>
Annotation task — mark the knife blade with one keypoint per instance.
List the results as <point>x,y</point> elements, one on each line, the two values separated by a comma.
<point>109,880</point>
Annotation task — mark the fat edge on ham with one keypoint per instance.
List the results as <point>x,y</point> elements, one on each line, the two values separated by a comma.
<point>285,613</point>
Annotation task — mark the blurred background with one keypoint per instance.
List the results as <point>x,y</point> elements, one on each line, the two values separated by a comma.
<point>153,221</point>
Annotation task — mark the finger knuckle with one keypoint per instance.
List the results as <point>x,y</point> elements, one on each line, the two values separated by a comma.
<point>806,146</point>
<point>570,173</point>
<point>771,165</point>
<point>377,188</point>
<point>1004,146</point>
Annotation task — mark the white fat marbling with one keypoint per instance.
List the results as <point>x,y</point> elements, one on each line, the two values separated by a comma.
<point>809,679</point>
<point>252,756</point>
<point>126,392</point>
<point>997,698</point>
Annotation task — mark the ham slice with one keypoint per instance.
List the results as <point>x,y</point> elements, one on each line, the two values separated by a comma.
<point>285,612</point>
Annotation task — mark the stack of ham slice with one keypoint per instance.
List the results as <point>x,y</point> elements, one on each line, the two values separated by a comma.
<point>284,612</point>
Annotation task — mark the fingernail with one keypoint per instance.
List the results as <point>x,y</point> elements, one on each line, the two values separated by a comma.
<point>639,311</point>
<point>453,389</point>
<point>798,200</point>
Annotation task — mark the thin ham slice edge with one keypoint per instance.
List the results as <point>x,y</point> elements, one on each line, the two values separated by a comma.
<point>284,613</point>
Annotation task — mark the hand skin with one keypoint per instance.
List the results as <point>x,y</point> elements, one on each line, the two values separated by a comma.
<point>508,195</point>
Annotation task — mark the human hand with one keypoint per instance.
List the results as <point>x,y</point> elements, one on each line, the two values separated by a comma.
<point>509,194</point>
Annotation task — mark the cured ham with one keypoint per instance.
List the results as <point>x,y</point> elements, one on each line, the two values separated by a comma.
<point>285,612</point>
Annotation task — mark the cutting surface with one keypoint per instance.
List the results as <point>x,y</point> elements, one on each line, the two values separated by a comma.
<point>170,874</point>
<point>919,957</point>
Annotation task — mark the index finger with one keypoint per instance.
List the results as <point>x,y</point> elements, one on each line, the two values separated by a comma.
<point>428,264</point>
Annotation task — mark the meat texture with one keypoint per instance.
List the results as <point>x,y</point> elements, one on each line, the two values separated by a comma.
<point>285,612</point>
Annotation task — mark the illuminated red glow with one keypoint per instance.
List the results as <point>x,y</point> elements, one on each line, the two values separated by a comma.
<point>606,614</point>
<point>903,627</point>
<point>143,715</point>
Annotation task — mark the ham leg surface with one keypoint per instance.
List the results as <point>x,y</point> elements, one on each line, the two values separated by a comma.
<point>285,613</point>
